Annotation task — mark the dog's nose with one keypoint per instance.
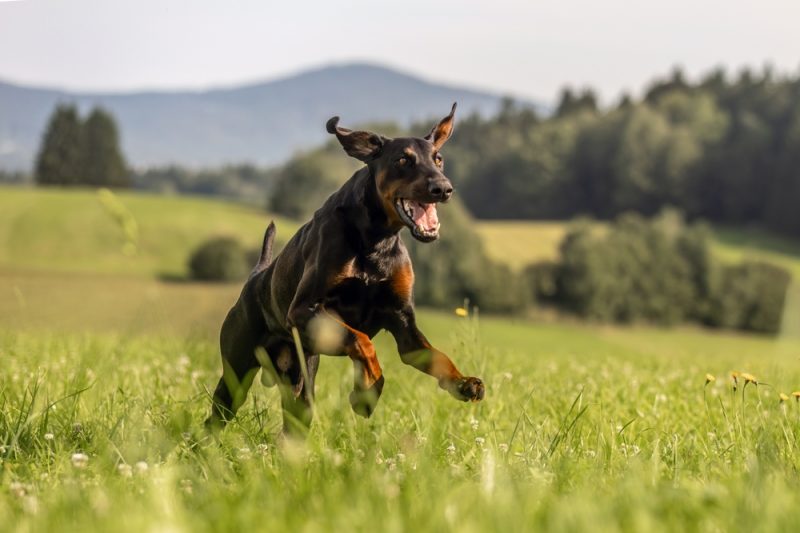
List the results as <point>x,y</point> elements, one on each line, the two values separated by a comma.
<point>440,189</point>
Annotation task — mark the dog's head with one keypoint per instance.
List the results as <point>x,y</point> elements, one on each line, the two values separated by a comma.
<point>409,173</point>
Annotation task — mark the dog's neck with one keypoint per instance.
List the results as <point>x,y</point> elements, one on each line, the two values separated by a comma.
<point>365,215</point>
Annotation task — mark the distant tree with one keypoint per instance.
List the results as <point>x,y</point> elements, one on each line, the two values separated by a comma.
<point>567,102</point>
<point>103,162</point>
<point>74,152</point>
<point>676,82</point>
<point>571,103</point>
<point>625,101</point>
<point>60,157</point>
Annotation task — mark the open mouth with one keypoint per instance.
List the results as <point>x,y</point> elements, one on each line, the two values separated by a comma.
<point>421,218</point>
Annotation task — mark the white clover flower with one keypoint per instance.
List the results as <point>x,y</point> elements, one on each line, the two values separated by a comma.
<point>451,449</point>
<point>262,449</point>
<point>244,453</point>
<point>474,423</point>
<point>80,460</point>
<point>480,441</point>
<point>125,470</point>
<point>49,436</point>
<point>503,447</point>
<point>18,489</point>
<point>141,467</point>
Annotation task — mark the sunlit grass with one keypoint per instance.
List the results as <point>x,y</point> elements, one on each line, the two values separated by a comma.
<point>582,428</point>
<point>77,230</point>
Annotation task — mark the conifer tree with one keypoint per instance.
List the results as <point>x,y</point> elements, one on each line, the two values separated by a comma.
<point>60,157</point>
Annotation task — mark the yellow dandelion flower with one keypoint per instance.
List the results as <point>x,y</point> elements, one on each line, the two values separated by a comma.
<point>460,311</point>
<point>796,395</point>
<point>749,378</point>
<point>710,378</point>
<point>783,397</point>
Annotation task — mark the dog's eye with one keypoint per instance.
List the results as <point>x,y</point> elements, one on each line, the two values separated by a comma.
<point>438,160</point>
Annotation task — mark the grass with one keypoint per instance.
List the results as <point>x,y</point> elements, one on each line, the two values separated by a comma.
<point>107,369</point>
<point>520,243</point>
<point>52,230</point>
<point>583,428</point>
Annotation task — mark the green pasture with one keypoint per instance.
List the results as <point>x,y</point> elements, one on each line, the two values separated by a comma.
<point>52,230</point>
<point>107,367</point>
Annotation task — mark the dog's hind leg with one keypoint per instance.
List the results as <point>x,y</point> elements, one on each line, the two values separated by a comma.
<point>238,342</point>
<point>296,387</point>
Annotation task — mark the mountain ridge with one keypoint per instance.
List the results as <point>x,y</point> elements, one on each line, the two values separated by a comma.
<point>260,122</point>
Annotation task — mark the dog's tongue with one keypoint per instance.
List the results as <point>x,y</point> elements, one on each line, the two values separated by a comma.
<point>425,215</point>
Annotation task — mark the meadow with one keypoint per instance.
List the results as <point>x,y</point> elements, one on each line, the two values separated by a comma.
<point>107,368</point>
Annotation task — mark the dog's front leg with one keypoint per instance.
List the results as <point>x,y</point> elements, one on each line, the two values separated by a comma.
<point>368,376</point>
<point>416,351</point>
<point>367,373</point>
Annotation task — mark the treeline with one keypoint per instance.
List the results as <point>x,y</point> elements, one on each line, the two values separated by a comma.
<point>246,183</point>
<point>660,271</point>
<point>75,151</point>
<point>726,150</point>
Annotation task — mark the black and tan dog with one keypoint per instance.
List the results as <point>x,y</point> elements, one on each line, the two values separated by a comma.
<point>348,268</point>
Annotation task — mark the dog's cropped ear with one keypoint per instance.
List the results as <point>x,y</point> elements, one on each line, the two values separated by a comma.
<point>443,130</point>
<point>363,145</point>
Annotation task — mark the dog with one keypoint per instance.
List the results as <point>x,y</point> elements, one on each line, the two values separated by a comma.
<point>347,273</point>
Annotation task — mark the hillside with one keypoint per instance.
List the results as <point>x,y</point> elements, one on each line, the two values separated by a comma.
<point>261,123</point>
<point>54,230</point>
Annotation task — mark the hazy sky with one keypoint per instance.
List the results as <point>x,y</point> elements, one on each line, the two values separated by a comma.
<point>525,48</point>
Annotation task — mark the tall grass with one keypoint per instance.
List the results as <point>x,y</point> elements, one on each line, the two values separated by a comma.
<point>103,432</point>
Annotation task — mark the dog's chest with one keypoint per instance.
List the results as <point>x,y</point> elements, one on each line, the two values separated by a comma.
<point>362,290</point>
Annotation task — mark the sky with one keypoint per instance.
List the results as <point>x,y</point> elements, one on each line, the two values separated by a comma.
<point>529,49</point>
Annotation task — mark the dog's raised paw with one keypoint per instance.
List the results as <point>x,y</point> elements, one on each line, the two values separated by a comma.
<point>364,401</point>
<point>468,389</point>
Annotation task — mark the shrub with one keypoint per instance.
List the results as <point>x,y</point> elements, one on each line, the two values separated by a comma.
<point>219,259</point>
<point>543,279</point>
<point>662,271</point>
<point>636,271</point>
<point>750,296</point>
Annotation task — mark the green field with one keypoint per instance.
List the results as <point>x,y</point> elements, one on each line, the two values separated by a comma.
<point>73,231</point>
<point>107,368</point>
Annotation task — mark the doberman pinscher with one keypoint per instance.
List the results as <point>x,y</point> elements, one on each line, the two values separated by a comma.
<point>342,278</point>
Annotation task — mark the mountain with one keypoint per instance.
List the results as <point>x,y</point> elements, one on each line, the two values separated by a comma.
<point>260,123</point>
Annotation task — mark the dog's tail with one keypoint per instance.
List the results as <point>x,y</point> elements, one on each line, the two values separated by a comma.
<point>266,250</point>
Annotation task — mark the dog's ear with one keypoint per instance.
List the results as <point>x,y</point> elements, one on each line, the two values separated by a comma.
<point>443,130</point>
<point>363,145</point>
